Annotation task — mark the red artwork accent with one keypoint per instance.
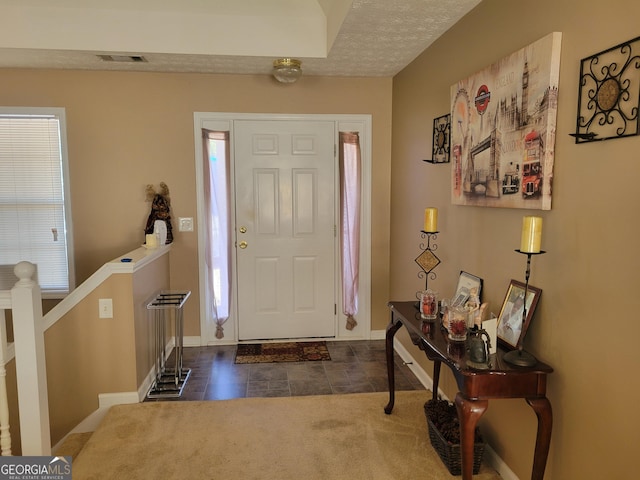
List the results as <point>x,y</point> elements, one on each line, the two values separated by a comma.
<point>482,99</point>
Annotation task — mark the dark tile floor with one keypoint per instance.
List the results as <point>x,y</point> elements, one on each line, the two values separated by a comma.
<point>355,367</point>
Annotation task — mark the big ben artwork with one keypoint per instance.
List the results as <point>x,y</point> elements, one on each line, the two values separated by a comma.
<point>503,123</point>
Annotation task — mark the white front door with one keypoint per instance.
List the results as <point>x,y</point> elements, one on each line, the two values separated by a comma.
<point>285,228</point>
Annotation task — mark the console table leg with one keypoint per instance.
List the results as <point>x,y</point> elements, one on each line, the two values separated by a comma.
<point>436,378</point>
<point>542,407</point>
<point>469,412</point>
<point>392,328</point>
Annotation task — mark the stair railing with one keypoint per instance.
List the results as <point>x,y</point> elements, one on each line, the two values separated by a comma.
<point>25,302</point>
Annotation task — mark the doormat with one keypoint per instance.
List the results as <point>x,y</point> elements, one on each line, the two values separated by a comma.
<point>282,352</point>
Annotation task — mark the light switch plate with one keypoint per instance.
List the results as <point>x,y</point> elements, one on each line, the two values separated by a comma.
<point>105,306</point>
<point>185,224</point>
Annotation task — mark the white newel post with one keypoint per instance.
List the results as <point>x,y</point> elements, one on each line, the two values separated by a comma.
<point>31,372</point>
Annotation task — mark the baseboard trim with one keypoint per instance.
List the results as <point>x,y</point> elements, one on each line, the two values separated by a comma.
<point>378,334</point>
<point>492,459</point>
<point>90,423</point>
<point>147,383</point>
<point>414,366</point>
<point>191,341</point>
<point>490,456</point>
<point>374,335</point>
<point>106,400</point>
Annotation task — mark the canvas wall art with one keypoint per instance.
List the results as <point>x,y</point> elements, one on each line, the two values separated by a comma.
<point>503,125</point>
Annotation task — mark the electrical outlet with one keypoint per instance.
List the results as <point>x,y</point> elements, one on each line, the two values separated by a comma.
<point>185,224</point>
<point>105,307</point>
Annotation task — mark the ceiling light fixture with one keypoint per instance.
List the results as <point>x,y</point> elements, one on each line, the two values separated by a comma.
<point>287,70</point>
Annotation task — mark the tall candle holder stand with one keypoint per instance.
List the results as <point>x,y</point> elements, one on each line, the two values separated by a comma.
<point>428,260</point>
<point>520,357</point>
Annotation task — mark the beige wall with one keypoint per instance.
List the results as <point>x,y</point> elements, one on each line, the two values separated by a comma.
<point>585,325</point>
<point>126,130</point>
<point>87,355</point>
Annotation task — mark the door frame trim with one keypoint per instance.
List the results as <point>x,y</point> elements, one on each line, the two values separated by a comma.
<point>343,122</point>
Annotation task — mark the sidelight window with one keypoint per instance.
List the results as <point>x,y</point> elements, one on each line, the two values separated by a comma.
<point>217,238</point>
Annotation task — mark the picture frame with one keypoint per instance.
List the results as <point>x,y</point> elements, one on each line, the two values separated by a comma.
<point>466,284</point>
<point>441,139</point>
<point>511,329</point>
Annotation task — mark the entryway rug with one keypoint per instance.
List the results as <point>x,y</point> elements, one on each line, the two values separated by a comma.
<point>282,352</point>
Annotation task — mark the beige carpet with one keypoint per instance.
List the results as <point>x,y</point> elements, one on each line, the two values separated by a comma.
<point>293,438</point>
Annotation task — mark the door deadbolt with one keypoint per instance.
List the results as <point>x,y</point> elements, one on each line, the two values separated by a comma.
<point>242,244</point>
<point>243,229</point>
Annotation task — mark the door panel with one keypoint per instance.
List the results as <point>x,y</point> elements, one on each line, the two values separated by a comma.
<point>266,193</point>
<point>284,184</point>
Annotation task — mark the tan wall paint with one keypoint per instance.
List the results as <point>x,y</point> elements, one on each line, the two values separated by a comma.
<point>126,130</point>
<point>589,276</point>
<point>87,355</point>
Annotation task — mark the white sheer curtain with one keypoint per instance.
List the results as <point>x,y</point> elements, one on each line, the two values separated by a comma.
<point>217,233</point>
<point>350,223</point>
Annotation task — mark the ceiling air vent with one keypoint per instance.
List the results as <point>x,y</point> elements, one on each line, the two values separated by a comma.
<point>122,58</point>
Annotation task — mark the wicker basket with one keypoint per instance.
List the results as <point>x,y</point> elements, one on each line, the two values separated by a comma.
<point>450,453</point>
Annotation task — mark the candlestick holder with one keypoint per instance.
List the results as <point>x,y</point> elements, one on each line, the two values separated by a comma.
<point>428,260</point>
<point>520,357</point>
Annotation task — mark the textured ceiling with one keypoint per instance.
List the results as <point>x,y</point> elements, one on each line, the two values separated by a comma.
<point>376,37</point>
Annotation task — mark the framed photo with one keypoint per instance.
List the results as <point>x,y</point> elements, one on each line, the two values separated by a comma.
<point>441,139</point>
<point>467,285</point>
<point>511,327</point>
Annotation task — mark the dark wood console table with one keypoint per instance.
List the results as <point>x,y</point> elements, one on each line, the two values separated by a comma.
<point>476,387</point>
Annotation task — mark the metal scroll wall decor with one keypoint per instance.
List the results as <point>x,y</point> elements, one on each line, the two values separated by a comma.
<point>609,95</point>
<point>441,139</point>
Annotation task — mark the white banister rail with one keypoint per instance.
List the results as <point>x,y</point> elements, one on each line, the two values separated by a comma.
<point>25,301</point>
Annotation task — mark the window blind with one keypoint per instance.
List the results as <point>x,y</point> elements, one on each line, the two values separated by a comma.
<point>32,200</point>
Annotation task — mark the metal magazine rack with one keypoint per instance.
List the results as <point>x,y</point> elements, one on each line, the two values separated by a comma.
<point>170,379</point>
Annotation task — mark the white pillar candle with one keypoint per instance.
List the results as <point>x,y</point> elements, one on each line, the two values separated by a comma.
<point>151,240</point>
<point>531,234</point>
<point>431,220</point>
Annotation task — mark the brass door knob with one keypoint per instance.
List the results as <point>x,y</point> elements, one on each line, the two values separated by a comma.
<point>242,244</point>
<point>243,229</point>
